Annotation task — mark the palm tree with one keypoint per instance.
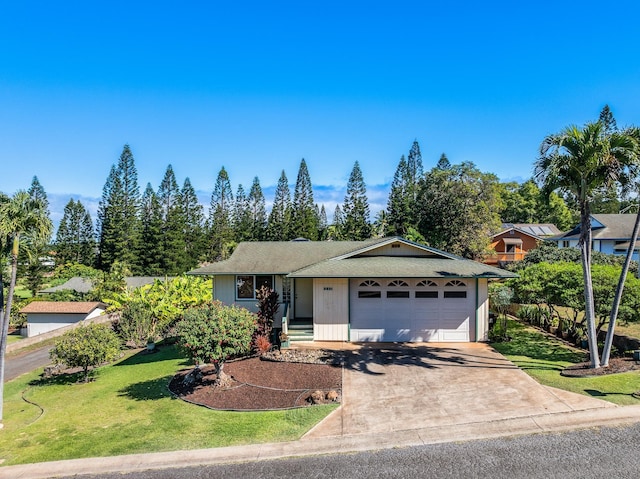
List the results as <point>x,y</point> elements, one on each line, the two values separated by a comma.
<point>580,162</point>
<point>22,219</point>
<point>634,133</point>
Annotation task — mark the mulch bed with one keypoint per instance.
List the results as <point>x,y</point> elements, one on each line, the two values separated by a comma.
<point>616,365</point>
<point>259,384</point>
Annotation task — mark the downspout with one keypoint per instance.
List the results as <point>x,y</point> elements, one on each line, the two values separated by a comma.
<point>349,310</point>
<point>476,339</point>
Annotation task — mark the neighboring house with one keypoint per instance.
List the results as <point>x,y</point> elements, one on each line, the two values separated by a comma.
<point>516,239</point>
<point>45,316</point>
<point>610,233</point>
<point>84,285</point>
<point>387,289</point>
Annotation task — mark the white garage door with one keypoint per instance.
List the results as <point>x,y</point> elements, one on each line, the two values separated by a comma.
<point>411,310</point>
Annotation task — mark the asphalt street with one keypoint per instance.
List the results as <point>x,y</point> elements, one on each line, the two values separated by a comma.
<point>591,453</point>
<point>21,363</point>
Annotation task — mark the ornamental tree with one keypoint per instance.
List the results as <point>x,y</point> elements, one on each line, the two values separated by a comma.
<point>214,333</point>
<point>86,347</point>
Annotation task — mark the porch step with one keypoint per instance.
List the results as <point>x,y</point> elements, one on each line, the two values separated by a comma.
<point>301,331</point>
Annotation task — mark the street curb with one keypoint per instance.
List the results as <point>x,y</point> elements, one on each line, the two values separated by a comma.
<point>545,423</point>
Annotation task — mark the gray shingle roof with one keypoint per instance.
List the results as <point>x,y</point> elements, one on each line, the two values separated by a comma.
<point>279,257</point>
<point>616,227</point>
<point>398,266</point>
<point>342,259</point>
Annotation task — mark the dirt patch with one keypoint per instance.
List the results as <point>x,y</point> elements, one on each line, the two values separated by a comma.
<point>259,384</point>
<point>616,365</point>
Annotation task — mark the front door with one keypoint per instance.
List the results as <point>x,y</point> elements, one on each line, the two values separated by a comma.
<point>303,289</point>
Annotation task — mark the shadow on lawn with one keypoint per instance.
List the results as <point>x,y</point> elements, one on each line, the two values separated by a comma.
<point>161,353</point>
<point>536,346</point>
<point>152,389</point>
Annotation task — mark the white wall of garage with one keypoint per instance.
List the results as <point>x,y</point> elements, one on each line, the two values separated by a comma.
<point>413,319</point>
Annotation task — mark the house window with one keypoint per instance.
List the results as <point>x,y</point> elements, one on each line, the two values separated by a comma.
<point>369,283</point>
<point>246,285</point>
<point>565,243</point>
<point>286,290</point>
<point>455,291</point>
<point>397,282</point>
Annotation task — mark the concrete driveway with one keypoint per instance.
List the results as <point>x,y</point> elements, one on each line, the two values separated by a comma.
<point>390,388</point>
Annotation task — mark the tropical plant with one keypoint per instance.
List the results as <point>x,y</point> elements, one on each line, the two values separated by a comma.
<point>580,162</point>
<point>22,219</point>
<point>165,300</point>
<point>214,333</point>
<point>268,306</point>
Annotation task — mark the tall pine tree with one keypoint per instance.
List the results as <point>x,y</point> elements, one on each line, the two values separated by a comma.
<point>220,216</point>
<point>173,244</point>
<point>118,215</point>
<point>398,214</point>
<point>193,220</point>
<point>279,218</point>
<point>75,241</point>
<point>257,211</point>
<point>304,219</point>
<point>151,257</point>
<point>242,225</point>
<point>356,208</point>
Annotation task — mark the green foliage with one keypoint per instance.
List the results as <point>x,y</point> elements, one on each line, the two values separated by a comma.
<point>136,324</point>
<point>214,333</point>
<point>165,301</point>
<point>304,219</point>
<point>278,223</point>
<point>151,254</point>
<point>75,241</point>
<point>65,272</point>
<point>86,347</point>
<point>220,216</point>
<point>525,203</point>
<point>118,214</point>
<point>356,225</point>
<point>111,284</point>
<point>558,291</point>
<point>459,208</point>
<point>548,252</point>
<point>500,299</point>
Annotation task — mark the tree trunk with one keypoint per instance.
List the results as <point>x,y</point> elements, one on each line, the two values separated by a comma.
<point>5,317</point>
<point>3,344</point>
<point>223,380</point>
<point>589,308</point>
<point>608,342</point>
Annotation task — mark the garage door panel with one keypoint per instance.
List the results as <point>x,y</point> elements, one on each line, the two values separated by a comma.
<point>419,317</point>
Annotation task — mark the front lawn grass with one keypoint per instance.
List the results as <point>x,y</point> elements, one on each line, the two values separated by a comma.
<point>543,357</point>
<point>128,409</point>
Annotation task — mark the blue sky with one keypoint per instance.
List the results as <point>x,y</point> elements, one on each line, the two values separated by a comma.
<point>256,86</point>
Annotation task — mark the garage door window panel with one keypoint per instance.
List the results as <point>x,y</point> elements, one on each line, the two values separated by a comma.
<point>426,289</point>
<point>397,289</point>
<point>455,289</point>
<point>369,289</point>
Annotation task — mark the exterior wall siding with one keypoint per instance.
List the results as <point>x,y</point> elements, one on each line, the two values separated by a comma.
<point>331,309</point>
<point>224,289</point>
<point>43,323</point>
<point>482,313</point>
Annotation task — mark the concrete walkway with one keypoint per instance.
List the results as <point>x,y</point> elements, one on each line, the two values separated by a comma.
<point>397,398</point>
